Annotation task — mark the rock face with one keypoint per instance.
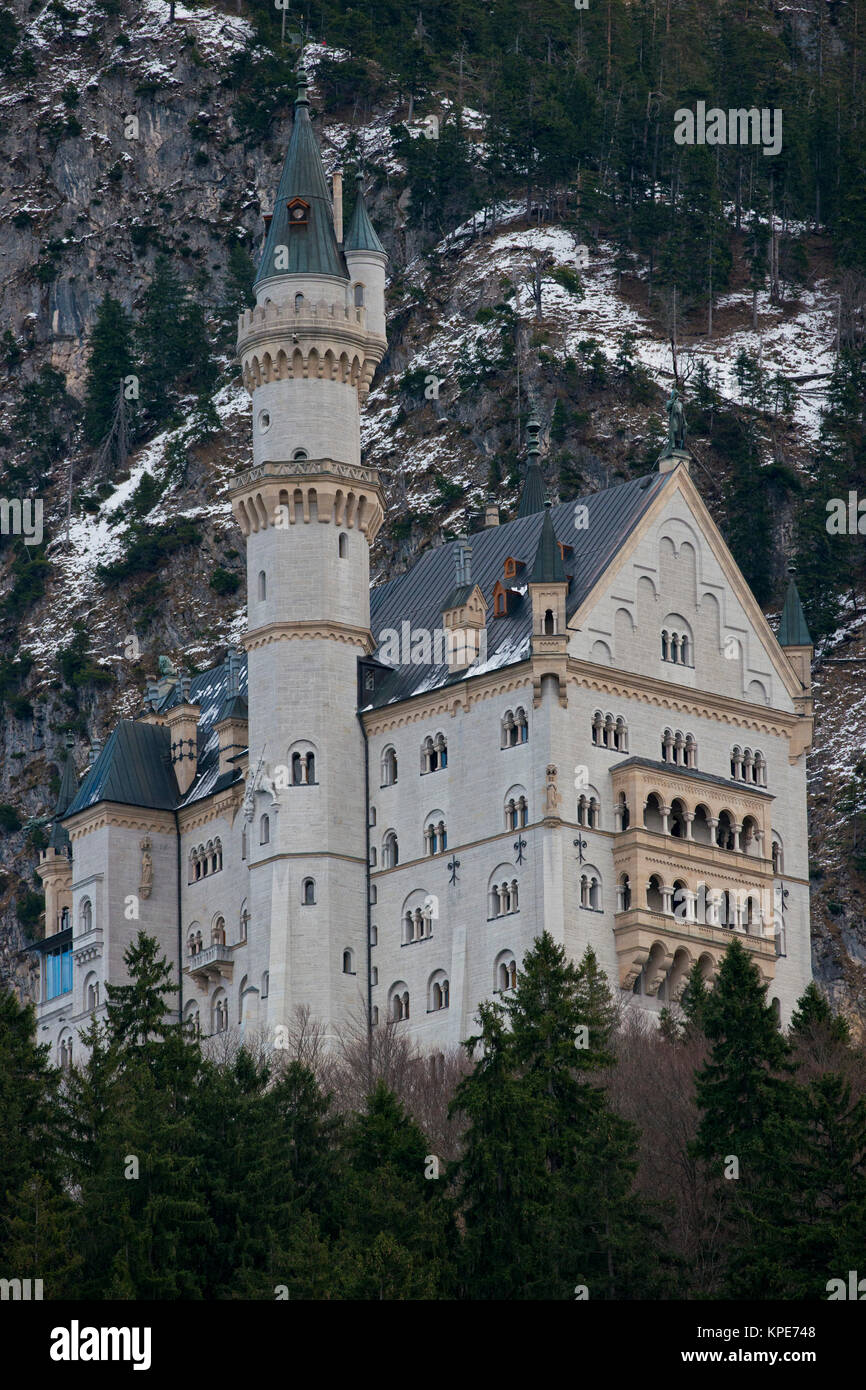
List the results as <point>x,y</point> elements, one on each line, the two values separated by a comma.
<point>123,136</point>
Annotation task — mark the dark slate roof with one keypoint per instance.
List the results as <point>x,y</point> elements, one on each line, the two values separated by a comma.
<point>458,596</point>
<point>548,567</point>
<point>361,235</point>
<point>793,631</point>
<point>419,596</point>
<point>534,494</point>
<point>233,707</point>
<point>693,772</point>
<point>59,838</point>
<point>313,248</point>
<point>133,768</point>
<point>211,691</point>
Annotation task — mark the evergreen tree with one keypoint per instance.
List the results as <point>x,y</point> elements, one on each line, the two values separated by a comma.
<point>29,1134</point>
<point>814,1013</point>
<point>750,1124</point>
<point>547,1171</point>
<point>173,345</point>
<point>400,1233</point>
<point>111,360</point>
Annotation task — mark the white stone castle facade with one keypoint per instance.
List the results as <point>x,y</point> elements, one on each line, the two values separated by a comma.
<point>612,747</point>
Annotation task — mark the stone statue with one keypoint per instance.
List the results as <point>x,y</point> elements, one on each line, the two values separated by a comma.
<point>146,868</point>
<point>676,421</point>
<point>165,666</point>
<point>553,796</point>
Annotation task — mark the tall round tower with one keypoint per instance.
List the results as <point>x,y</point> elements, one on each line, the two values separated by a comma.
<point>309,511</point>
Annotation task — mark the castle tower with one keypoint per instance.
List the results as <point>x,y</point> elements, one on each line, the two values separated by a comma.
<point>309,511</point>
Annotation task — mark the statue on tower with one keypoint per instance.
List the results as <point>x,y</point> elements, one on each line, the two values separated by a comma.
<point>676,421</point>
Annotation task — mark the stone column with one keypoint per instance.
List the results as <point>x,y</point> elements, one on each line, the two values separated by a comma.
<point>688,817</point>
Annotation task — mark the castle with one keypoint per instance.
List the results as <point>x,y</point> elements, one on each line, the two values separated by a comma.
<point>579,720</point>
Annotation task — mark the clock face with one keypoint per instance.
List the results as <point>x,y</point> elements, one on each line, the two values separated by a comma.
<point>298,214</point>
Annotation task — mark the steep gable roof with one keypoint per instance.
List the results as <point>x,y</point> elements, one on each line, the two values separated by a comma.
<point>548,567</point>
<point>134,768</point>
<point>417,596</point>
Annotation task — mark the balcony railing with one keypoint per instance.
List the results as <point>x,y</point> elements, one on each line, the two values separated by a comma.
<point>213,963</point>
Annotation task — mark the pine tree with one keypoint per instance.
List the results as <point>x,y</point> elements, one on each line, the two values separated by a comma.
<point>400,1235</point>
<point>546,1176</point>
<point>172,342</point>
<point>28,1103</point>
<point>111,360</point>
<point>41,1239</point>
<point>813,1013</point>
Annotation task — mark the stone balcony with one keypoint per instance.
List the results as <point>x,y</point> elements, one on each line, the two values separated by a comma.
<point>213,963</point>
<point>665,947</point>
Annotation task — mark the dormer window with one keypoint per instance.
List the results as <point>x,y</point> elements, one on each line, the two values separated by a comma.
<point>299,212</point>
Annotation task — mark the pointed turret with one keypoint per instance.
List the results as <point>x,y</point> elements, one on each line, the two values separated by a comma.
<point>532,498</point>
<point>548,590</point>
<point>548,567</point>
<point>366,260</point>
<point>361,235</point>
<point>55,865</point>
<point>794,636</point>
<point>301,239</point>
<point>793,629</point>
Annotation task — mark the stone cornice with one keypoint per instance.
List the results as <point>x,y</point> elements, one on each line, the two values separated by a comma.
<point>224,804</point>
<point>114,813</point>
<point>623,685</point>
<point>301,470</point>
<point>309,631</point>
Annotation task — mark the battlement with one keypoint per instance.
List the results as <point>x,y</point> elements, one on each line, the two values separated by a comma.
<point>312,315</point>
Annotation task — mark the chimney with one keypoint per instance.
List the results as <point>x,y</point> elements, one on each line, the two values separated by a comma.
<point>491,515</point>
<point>463,563</point>
<point>267,218</point>
<point>337,185</point>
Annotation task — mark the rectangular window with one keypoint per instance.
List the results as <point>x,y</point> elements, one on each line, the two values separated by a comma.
<point>58,972</point>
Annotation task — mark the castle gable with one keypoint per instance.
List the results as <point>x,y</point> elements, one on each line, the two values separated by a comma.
<point>595,526</point>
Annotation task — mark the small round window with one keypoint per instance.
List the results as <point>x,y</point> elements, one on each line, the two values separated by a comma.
<point>264,420</point>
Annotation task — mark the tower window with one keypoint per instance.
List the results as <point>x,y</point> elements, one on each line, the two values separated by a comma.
<point>359,296</point>
<point>343,545</point>
<point>309,893</point>
<point>300,454</point>
<point>299,303</point>
<point>264,831</point>
<point>264,421</point>
<point>263,586</point>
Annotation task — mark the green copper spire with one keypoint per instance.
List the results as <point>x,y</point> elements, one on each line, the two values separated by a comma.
<point>548,567</point>
<point>309,244</point>
<point>793,631</point>
<point>533,495</point>
<point>361,235</point>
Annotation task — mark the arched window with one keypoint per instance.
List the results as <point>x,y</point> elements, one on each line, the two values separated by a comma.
<point>298,770</point>
<point>434,753</point>
<point>85,916</point>
<point>504,972</point>
<point>218,932</point>
<point>398,1002</point>
<point>299,301</point>
<point>737,763</point>
<point>621,813</point>
<point>390,851</point>
<point>311,769</point>
<point>264,830</point>
<point>374,936</point>
<point>359,296</point>
<point>549,622</point>
<point>308,892</point>
<point>375,1016</point>
<point>300,454</point>
<point>343,545</point>
<point>348,965</point>
<point>389,767</point>
<point>266,980</point>
<point>437,992</point>
<point>590,889</point>
<point>263,586</point>
<point>623,894</point>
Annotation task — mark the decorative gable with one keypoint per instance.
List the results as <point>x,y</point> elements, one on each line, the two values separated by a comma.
<point>299,212</point>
